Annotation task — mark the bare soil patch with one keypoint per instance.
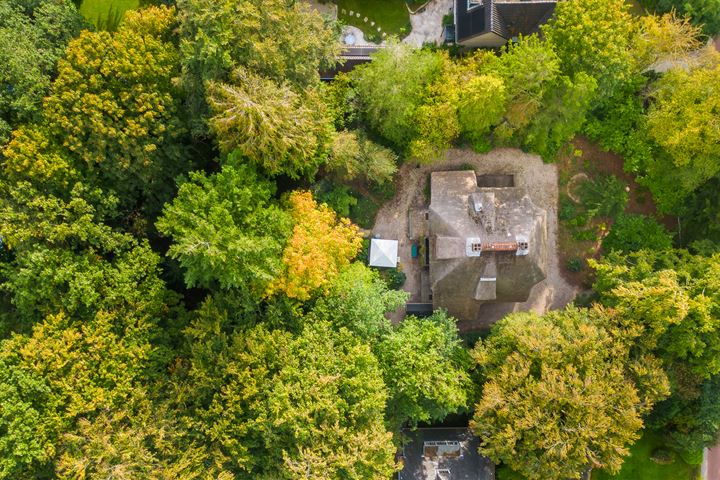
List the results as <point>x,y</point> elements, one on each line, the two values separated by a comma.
<point>585,159</point>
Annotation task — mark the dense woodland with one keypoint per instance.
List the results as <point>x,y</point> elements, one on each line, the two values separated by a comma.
<point>183,297</point>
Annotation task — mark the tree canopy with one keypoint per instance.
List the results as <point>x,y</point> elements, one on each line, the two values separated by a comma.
<point>226,229</point>
<point>33,35</point>
<point>557,398</point>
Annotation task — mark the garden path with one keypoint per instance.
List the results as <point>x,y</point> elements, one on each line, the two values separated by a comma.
<point>427,25</point>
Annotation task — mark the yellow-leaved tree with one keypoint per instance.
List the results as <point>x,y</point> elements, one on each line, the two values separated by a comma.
<point>320,245</point>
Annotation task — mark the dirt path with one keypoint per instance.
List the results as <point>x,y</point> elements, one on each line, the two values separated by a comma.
<point>541,182</point>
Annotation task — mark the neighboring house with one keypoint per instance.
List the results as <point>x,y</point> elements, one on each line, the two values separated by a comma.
<point>487,244</point>
<point>492,23</point>
<point>351,57</point>
<point>444,454</point>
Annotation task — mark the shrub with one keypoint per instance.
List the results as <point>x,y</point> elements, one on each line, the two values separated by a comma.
<point>339,198</point>
<point>633,232</point>
<point>394,278</point>
<point>662,456</point>
<point>575,264</point>
<point>568,209</point>
<point>605,197</point>
<point>693,457</point>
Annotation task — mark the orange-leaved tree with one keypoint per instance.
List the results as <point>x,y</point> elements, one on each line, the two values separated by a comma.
<point>320,245</point>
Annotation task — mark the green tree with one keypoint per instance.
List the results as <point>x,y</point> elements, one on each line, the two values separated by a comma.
<point>33,35</point>
<point>87,367</point>
<point>114,119</point>
<point>392,87</point>
<point>593,37</point>
<point>64,258</point>
<point>618,123</point>
<point>481,106</point>
<point>273,38</point>
<point>26,444</point>
<point>529,69</point>
<point>562,115</point>
<point>670,301</point>
<point>691,422</point>
<point>270,124</point>
<point>681,120</point>
<point>559,396</point>
<point>358,300</point>
<point>341,100</point>
<point>292,407</point>
<point>705,13</point>
<point>435,121</point>
<point>353,156</point>
<point>632,232</point>
<point>226,230</point>
<point>426,369</point>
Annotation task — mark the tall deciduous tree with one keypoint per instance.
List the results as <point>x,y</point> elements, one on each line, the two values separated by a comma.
<point>683,121</point>
<point>77,370</point>
<point>667,304</point>
<point>358,300</point>
<point>297,407</point>
<point>665,38</point>
<point>426,369</point>
<point>65,259</point>
<point>529,69</point>
<point>562,116</point>
<point>280,40</point>
<point>352,156</point>
<point>33,35</point>
<point>226,230</point>
<point>558,396</point>
<point>267,122</point>
<point>705,13</point>
<point>671,301</point>
<point>26,445</point>
<point>113,118</point>
<point>320,246</point>
<point>594,37</point>
<point>392,87</point>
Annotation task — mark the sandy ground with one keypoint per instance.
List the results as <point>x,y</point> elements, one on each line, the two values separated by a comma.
<point>541,182</point>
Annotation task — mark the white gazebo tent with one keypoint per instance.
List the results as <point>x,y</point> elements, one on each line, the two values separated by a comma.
<point>383,253</point>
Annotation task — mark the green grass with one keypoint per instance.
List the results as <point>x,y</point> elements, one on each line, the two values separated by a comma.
<point>638,465</point>
<point>100,12</point>
<point>391,16</point>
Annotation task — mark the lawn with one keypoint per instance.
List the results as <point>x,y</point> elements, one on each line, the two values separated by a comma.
<point>638,465</point>
<point>391,16</point>
<point>100,12</point>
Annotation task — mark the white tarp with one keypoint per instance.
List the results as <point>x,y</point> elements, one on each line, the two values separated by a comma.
<point>383,253</point>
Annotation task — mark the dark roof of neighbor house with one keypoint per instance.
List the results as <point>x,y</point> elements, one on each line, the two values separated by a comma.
<point>444,453</point>
<point>506,18</point>
<point>487,244</point>
<point>350,57</point>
